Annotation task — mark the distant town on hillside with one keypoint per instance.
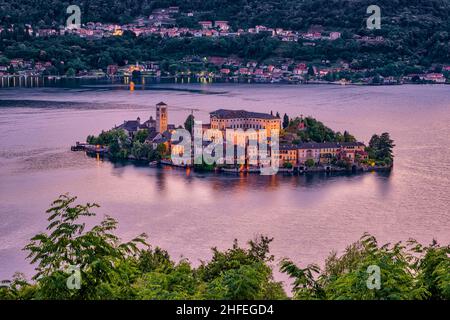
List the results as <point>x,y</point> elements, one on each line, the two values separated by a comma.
<point>187,39</point>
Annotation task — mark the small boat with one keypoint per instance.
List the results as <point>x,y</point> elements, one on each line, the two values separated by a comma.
<point>153,164</point>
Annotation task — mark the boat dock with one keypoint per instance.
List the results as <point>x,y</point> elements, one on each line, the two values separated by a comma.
<point>89,148</point>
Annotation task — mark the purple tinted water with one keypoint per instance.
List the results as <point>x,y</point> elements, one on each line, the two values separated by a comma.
<point>188,214</point>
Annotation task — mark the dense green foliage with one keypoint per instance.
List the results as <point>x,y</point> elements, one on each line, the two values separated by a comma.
<point>310,129</point>
<point>112,269</point>
<point>404,273</point>
<point>189,123</point>
<point>290,14</point>
<point>416,33</point>
<point>285,121</point>
<point>310,163</point>
<point>380,148</point>
<point>106,138</point>
<point>121,146</point>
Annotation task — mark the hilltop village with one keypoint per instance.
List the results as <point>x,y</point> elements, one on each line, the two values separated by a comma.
<point>305,144</point>
<point>299,64</point>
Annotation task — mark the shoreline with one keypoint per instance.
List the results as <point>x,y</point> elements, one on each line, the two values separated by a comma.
<point>59,81</point>
<point>295,170</point>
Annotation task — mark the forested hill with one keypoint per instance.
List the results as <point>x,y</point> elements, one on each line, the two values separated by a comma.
<point>406,15</point>
<point>417,32</point>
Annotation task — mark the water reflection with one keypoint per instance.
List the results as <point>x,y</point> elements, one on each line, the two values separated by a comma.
<point>188,212</point>
<point>161,183</point>
<point>243,181</point>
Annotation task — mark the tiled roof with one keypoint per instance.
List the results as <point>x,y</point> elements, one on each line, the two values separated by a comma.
<point>162,137</point>
<point>151,134</point>
<point>150,121</point>
<point>233,114</point>
<point>288,147</point>
<point>130,126</point>
<point>330,145</point>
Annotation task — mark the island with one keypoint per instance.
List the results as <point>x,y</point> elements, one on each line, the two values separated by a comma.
<point>304,144</point>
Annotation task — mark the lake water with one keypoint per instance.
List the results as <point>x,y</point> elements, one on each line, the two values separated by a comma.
<point>187,214</point>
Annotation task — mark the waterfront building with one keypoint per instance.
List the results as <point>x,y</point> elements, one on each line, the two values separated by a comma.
<point>241,123</point>
<point>435,77</point>
<point>157,138</point>
<point>133,126</point>
<point>288,154</point>
<point>325,151</point>
<point>130,126</point>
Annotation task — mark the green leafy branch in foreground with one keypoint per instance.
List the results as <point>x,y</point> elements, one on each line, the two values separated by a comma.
<point>408,272</point>
<point>112,269</point>
<point>98,252</point>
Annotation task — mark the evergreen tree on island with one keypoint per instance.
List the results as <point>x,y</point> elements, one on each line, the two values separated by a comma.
<point>380,148</point>
<point>285,121</point>
<point>189,123</point>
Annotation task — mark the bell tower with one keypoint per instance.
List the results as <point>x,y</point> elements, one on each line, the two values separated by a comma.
<point>161,117</point>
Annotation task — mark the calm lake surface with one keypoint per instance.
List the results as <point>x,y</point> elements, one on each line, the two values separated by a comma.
<point>187,214</point>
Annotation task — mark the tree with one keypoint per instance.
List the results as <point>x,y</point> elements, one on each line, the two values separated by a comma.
<point>104,60</point>
<point>4,60</point>
<point>348,137</point>
<point>111,269</point>
<point>315,130</point>
<point>189,123</point>
<point>161,149</point>
<point>408,272</point>
<point>310,163</point>
<point>386,144</point>
<point>77,64</point>
<point>140,150</point>
<point>96,253</point>
<point>339,137</point>
<point>239,273</point>
<point>374,145</point>
<point>70,72</point>
<point>433,264</point>
<point>346,277</point>
<point>117,140</point>
<point>287,165</point>
<point>381,148</point>
<point>141,135</point>
<point>285,121</point>
<point>154,155</point>
<point>305,285</point>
